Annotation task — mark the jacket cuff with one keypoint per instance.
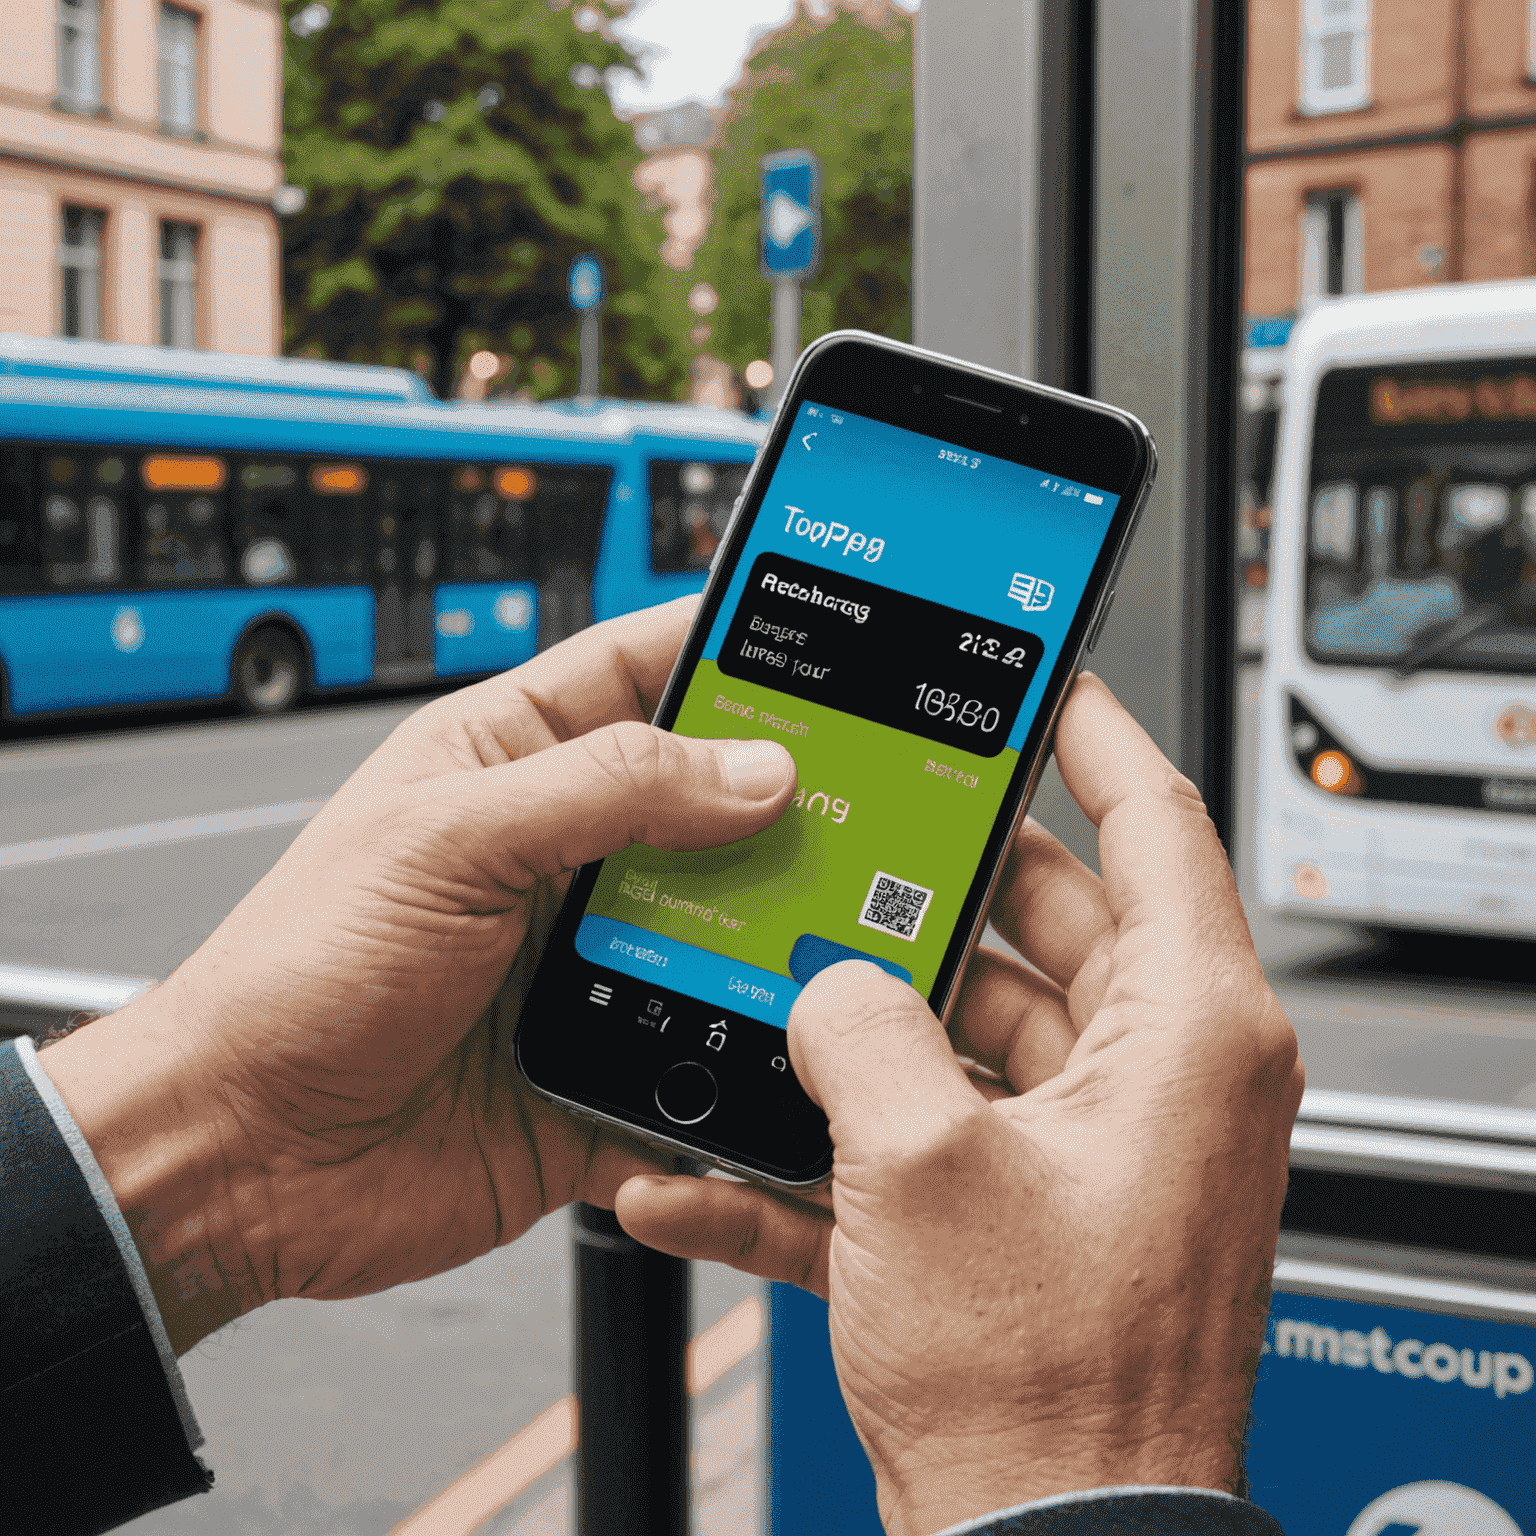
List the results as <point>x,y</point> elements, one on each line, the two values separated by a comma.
<point>1129,1511</point>
<point>93,1412</point>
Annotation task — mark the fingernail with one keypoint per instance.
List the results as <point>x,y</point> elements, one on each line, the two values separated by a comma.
<point>754,770</point>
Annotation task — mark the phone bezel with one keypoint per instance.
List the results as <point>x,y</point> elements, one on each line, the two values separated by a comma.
<point>975,409</point>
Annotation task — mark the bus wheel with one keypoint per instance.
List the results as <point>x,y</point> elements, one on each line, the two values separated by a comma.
<point>268,672</point>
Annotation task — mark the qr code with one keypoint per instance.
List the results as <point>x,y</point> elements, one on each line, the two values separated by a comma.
<point>895,906</point>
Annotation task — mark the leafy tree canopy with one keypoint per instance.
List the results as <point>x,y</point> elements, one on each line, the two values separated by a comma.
<point>841,85</point>
<point>454,169</point>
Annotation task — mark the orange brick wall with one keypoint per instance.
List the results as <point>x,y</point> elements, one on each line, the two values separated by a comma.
<point>1412,198</point>
<point>1405,200</point>
<point>1498,44</point>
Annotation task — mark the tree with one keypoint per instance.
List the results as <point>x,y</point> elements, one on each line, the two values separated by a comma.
<point>454,169</point>
<point>839,84</point>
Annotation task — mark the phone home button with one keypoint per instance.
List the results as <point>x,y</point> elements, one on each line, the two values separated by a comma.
<point>687,1093</point>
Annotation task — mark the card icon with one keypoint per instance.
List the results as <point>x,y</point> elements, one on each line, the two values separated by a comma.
<point>1034,594</point>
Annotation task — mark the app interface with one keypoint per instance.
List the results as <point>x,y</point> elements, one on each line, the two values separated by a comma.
<point>893,621</point>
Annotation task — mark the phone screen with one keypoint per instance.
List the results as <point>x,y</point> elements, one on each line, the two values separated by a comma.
<point>893,619</point>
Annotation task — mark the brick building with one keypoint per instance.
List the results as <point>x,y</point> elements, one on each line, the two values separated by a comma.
<point>139,145</point>
<point>1390,143</point>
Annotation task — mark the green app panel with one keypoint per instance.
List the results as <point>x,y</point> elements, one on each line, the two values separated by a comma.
<point>873,801</point>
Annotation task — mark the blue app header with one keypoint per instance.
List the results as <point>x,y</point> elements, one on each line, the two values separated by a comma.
<point>919,515</point>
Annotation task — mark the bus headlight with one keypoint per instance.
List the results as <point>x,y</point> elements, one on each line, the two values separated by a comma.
<point>1333,771</point>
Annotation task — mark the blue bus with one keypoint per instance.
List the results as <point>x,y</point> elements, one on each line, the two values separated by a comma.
<point>211,534</point>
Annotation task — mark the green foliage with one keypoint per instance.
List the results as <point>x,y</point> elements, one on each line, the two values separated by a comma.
<point>453,172</point>
<point>842,86</point>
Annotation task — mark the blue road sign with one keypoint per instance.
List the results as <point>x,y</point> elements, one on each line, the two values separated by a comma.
<point>586,283</point>
<point>790,217</point>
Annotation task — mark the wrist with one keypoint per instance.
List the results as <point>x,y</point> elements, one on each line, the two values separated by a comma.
<point>946,1482</point>
<point>132,1087</point>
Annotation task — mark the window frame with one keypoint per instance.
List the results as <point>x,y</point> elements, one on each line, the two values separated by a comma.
<point>163,60</point>
<point>67,96</point>
<point>1313,98</point>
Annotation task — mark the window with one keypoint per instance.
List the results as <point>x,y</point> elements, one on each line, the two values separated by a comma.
<point>20,564</point>
<point>1420,529</point>
<point>178,70</point>
<point>1332,246</point>
<point>80,54</point>
<point>80,273</point>
<point>178,285</point>
<point>491,522</point>
<point>690,505</point>
<point>269,524</point>
<point>182,538</point>
<point>1335,55</point>
<point>82,518</point>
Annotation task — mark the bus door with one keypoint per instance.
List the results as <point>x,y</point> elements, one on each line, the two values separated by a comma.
<point>407,542</point>
<point>566,505</point>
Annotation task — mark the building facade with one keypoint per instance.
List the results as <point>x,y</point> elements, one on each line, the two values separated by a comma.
<point>139,156</point>
<point>1391,143</point>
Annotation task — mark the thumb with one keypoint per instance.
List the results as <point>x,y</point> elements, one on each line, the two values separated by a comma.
<point>868,1049</point>
<point>626,783</point>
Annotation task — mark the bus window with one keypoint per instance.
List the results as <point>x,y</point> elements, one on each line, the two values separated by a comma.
<point>491,523</point>
<point>20,564</point>
<point>691,504</point>
<point>338,523</point>
<point>182,537</point>
<point>268,525</point>
<point>81,523</point>
<point>1421,554</point>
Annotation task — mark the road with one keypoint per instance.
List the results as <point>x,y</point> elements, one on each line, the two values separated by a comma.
<point>121,849</point>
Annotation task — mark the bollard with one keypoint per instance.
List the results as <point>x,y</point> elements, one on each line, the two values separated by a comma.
<point>629,1342</point>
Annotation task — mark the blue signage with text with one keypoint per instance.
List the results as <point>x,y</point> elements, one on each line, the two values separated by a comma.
<point>1376,1421</point>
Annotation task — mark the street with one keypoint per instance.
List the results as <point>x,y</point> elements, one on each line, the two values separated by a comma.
<point>123,848</point>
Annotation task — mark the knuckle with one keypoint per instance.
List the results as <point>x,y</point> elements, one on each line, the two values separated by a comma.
<point>629,755</point>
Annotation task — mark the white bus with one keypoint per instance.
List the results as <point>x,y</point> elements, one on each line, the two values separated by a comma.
<point>1397,734</point>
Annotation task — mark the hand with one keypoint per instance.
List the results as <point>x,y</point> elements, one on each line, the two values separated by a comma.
<point>322,1101</point>
<point>1054,1278</point>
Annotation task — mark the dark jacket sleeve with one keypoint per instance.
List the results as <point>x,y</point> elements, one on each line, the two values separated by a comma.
<point>91,1431</point>
<point>1128,1512</point>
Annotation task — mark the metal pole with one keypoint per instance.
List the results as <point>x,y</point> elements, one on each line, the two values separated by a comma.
<point>786,334</point>
<point>591,341</point>
<point>631,1334</point>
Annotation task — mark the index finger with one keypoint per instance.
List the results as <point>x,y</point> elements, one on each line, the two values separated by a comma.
<point>1165,873</point>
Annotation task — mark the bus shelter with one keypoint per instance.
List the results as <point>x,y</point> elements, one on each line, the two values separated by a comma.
<point>1078,219</point>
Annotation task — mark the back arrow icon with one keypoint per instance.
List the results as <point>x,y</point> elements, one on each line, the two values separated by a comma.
<point>807,440</point>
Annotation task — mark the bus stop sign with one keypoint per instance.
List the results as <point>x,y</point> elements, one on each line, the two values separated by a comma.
<point>586,283</point>
<point>790,215</point>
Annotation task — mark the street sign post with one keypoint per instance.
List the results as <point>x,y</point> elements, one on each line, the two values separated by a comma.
<point>585,285</point>
<point>789,246</point>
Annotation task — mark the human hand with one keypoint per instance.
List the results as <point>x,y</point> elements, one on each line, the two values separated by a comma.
<point>322,1101</point>
<point>1056,1278</point>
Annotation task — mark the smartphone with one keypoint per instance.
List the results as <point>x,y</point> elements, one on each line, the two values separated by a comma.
<point>920,560</point>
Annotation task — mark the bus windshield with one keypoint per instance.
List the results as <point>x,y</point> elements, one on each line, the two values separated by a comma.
<point>1421,518</point>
